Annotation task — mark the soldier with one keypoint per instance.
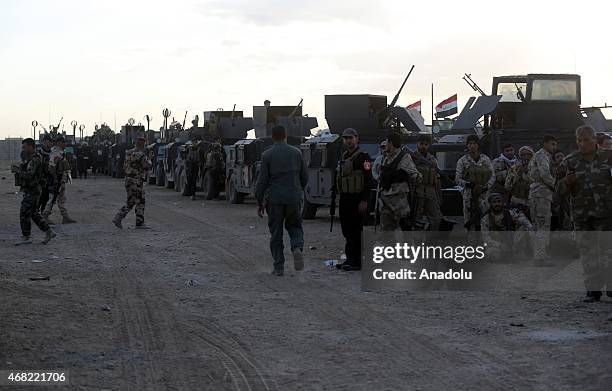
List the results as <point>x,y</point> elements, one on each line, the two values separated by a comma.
<point>136,165</point>
<point>45,152</point>
<point>588,178</point>
<point>192,167</point>
<point>500,219</point>
<point>29,175</point>
<point>279,191</point>
<point>379,159</point>
<point>427,193</point>
<point>398,170</point>
<point>501,166</point>
<point>518,181</point>
<point>354,183</point>
<point>60,169</point>
<point>604,142</point>
<point>541,196</point>
<point>475,175</point>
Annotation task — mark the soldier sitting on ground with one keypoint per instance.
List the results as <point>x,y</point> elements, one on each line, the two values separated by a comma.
<point>499,219</point>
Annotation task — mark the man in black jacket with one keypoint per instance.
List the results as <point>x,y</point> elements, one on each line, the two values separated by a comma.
<point>354,184</point>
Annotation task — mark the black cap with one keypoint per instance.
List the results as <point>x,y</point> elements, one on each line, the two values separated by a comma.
<point>29,141</point>
<point>350,132</point>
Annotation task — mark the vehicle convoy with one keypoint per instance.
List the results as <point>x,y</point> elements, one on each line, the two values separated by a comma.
<point>244,158</point>
<point>520,111</point>
<point>373,118</point>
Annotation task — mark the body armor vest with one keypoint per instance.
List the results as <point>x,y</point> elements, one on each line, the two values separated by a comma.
<point>507,223</point>
<point>521,187</point>
<point>429,173</point>
<point>477,174</point>
<point>349,180</point>
<point>390,174</point>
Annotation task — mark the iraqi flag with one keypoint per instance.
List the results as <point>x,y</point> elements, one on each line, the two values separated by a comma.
<point>447,107</point>
<point>415,106</point>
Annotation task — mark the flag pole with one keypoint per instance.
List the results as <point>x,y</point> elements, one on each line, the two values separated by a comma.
<point>432,107</point>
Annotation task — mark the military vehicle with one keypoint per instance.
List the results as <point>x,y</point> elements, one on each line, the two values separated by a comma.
<point>176,137</point>
<point>220,130</point>
<point>520,111</point>
<point>373,118</point>
<point>244,160</point>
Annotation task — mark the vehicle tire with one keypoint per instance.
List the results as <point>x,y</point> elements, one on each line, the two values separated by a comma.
<point>309,211</point>
<point>210,186</point>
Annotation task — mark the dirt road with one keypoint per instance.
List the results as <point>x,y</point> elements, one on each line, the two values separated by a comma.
<point>189,305</point>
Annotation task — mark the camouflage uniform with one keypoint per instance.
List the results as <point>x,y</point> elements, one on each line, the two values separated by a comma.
<point>501,167</point>
<point>59,168</point>
<point>428,192</point>
<point>591,207</point>
<point>507,221</point>
<point>136,165</point>
<point>518,183</point>
<point>394,205</point>
<point>540,199</point>
<point>479,173</point>
<point>46,180</point>
<point>30,173</point>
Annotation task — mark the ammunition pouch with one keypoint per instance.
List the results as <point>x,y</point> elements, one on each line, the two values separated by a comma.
<point>521,189</point>
<point>477,174</point>
<point>430,176</point>
<point>349,180</point>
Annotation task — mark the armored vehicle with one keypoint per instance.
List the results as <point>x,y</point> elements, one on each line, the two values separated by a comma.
<point>520,111</point>
<point>244,159</point>
<point>373,118</point>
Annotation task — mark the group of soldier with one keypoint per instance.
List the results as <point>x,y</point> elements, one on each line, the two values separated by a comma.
<point>509,193</point>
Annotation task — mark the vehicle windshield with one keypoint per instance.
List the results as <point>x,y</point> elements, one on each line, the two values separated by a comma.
<point>555,90</point>
<point>509,92</point>
<point>442,125</point>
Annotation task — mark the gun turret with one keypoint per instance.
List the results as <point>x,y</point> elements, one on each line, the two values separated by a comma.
<point>468,79</point>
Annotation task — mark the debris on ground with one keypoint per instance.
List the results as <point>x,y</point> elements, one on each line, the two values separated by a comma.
<point>47,278</point>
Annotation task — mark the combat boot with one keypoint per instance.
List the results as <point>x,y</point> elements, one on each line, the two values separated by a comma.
<point>278,273</point>
<point>593,296</point>
<point>68,220</point>
<point>49,234</point>
<point>298,259</point>
<point>24,240</point>
<point>142,226</point>
<point>117,222</point>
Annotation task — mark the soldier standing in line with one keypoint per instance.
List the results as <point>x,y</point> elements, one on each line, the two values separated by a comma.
<point>518,181</point>
<point>279,192</point>
<point>192,167</point>
<point>500,219</point>
<point>29,175</point>
<point>501,166</point>
<point>588,179</point>
<point>398,170</point>
<point>136,165</point>
<point>45,152</point>
<point>354,183</point>
<point>60,169</point>
<point>427,193</point>
<point>541,197</point>
<point>475,175</point>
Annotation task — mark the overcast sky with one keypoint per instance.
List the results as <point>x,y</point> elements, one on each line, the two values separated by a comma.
<point>92,61</point>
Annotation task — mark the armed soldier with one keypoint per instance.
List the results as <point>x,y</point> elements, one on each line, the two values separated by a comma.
<point>354,183</point>
<point>427,193</point>
<point>136,165</point>
<point>60,169</point>
<point>589,184</point>
<point>501,166</point>
<point>45,152</point>
<point>398,170</point>
<point>378,161</point>
<point>475,175</point>
<point>518,181</point>
<point>192,167</point>
<point>501,219</point>
<point>541,197</point>
<point>29,176</point>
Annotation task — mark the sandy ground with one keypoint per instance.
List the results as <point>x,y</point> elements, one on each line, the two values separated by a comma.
<point>189,305</point>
